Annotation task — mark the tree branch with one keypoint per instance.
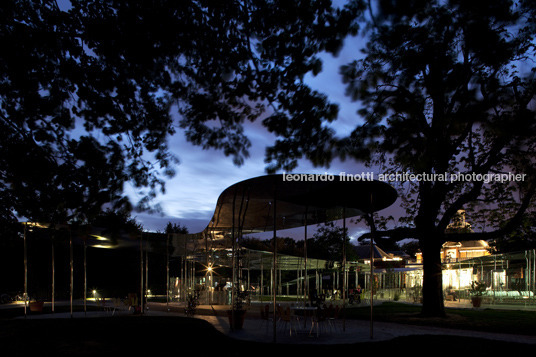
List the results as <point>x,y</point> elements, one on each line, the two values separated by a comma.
<point>509,227</point>
<point>396,234</point>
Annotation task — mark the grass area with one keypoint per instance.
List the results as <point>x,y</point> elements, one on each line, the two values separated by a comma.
<point>136,335</point>
<point>268,298</point>
<point>489,320</point>
<point>12,312</point>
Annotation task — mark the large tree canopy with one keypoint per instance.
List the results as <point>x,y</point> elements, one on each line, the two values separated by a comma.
<point>89,92</point>
<point>446,88</point>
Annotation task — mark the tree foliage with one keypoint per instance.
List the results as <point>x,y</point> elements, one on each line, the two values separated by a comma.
<point>449,88</point>
<point>175,228</point>
<point>521,238</point>
<point>446,87</point>
<point>90,93</point>
<point>115,225</point>
<point>327,243</point>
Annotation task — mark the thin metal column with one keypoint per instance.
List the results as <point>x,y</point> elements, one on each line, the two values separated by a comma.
<point>306,283</point>
<point>371,283</point>
<point>53,270</point>
<point>185,272</point>
<point>279,283</point>
<point>534,272</point>
<point>25,271</point>
<point>370,219</point>
<point>85,275</point>
<point>334,284</point>
<point>249,268</point>
<point>271,287</point>
<point>529,270</point>
<point>141,273</point>
<point>71,260</point>
<point>147,271</point>
<point>344,269</point>
<point>275,266</point>
<point>206,277</point>
<point>167,272</point>
<point>233,262</point>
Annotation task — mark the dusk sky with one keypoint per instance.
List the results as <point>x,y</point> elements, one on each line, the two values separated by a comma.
<point>203,174</point>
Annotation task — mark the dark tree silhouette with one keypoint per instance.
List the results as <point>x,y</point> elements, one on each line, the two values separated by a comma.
<point>327,244</point>
<point>445,87</point>
<point>176,228</point>
<point>89,92</point>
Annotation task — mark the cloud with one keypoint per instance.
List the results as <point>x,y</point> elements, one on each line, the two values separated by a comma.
<point>204,174</point>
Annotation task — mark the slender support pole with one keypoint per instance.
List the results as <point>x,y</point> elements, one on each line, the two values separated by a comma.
<point>141,273</point>
<point>344,269</point>
<point>185,270</point>
<point>373,235</point>
<point>316,277</point>
<point>279,283</point>
<point>534,271</point>
<point>233,262</point>
<point>71,261</point>
<point>25,271</point>
<point>298,281</point>
<point>208,282</point>
<point>249,268</point>
<point>85,276</point>
<point>146,272</point>
<point>271,286</point>
<point>275,268</point>
<point>53,271</point>
<point>167,272</point>
<point>306,283</point>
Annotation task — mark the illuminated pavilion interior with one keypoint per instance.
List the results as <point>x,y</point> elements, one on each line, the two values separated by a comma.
<point>268,203</point>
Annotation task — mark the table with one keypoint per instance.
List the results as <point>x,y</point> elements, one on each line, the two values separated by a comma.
<point>307,311</point>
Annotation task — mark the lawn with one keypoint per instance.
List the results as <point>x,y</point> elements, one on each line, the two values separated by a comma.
<point>489,320</point>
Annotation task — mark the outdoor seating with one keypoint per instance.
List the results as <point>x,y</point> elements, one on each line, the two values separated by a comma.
<point>278,312</point>
<point>330,315</point>
<point>265,315</point>
<point>107,308</point>
<point>319,319</point>
<point>132,301</point>
<point>333,316</point>
<point>117,305</point>
<point>294,316</point>
<point>286,320</point>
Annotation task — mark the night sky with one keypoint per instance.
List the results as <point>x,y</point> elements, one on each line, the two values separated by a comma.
<point>202,175</point>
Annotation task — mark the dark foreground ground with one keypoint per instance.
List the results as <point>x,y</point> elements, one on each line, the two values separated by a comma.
<point>181,336</point>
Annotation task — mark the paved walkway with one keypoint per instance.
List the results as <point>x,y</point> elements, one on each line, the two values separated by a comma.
<point>256,329</point>
<point>355,331</point>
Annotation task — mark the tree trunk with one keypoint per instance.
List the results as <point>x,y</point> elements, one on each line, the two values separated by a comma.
<point>433,305</point>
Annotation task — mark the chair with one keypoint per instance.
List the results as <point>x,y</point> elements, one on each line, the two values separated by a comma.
<point>105,307</point>
<point>330,315</point>
<point>285,318</point>
<point>117,304</point>
<point>265,318</point>
<point>132,301</point>
<point>319,318</point>
<point>278,312</point>
<point>333,317</point>
<point>307,315</point>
